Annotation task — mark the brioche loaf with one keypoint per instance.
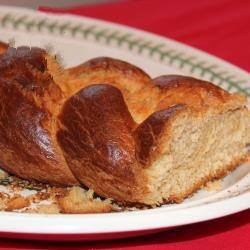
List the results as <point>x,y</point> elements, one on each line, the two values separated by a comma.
<point>107,125</point>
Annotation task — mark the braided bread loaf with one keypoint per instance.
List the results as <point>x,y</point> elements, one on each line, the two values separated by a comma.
<point>107,125</point>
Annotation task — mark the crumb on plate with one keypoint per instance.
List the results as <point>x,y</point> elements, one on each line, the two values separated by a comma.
<point>215,185</point>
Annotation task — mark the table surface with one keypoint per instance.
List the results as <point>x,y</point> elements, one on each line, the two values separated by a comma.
<point>229,233</point>
<point>219,27</point>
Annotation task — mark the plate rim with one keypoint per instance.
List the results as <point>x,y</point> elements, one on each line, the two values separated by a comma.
<point>223,76</point>
<point>155,219</point>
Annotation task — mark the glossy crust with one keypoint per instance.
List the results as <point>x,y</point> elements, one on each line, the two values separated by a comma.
<point>136,86</point>
<point>97,139</point>
<point>27,145</point>
<point>100,124</point>
<point>99,67</point>
<point>149,133</point>
<point>3,48</point>
<point>193,92</point>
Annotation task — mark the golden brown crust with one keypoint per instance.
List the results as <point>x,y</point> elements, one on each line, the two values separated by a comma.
<point>97,139</point>
<point>34,56</point>
<point>26,69</point>
<point>135,84</point>
<point>109,65</point>
<point>176,89</point>
<point>148,133</point>
<point>27,148</point>
<point>3,48</point>
<point>104,70</point>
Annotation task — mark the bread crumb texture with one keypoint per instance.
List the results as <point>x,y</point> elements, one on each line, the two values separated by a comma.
<point>213,185</point>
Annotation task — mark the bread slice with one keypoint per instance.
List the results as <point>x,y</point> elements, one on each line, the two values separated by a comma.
<point>194,147</point>
<point>165,158</point>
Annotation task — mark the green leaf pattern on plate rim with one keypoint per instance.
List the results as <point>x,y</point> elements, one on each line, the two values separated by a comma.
<point>137,44</point>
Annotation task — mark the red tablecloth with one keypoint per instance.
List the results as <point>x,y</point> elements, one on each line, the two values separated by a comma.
<point>228,233</point>
<point>220,27</point>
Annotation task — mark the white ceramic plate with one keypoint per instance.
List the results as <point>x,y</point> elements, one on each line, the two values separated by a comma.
<point>78,39</point>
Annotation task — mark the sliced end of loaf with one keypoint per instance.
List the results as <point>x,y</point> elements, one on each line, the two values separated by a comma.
<point>202,147</point>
